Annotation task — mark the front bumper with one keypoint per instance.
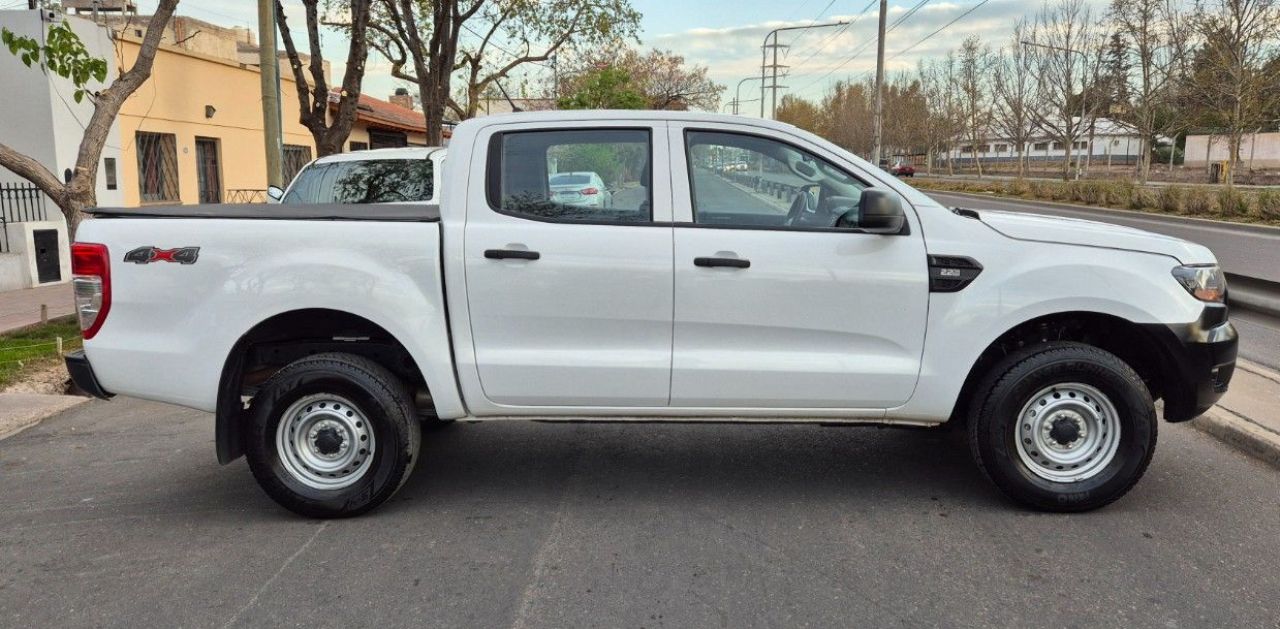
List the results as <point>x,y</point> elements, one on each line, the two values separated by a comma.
<point>82,375</point>
<point>1199,360</point>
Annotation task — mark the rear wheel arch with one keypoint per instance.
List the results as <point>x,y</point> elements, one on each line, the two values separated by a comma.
<point>278,340</point>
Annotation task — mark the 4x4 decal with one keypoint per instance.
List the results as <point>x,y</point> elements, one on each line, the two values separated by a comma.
<point>147,255</point>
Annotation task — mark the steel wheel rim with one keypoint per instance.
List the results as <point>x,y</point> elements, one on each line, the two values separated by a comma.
<point>325,442</point>
<point>1067,432</point>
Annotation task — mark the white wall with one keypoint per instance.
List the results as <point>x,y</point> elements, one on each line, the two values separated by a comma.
<point>38,113</point>
<point>18,268</point>
<point>1257,151</point>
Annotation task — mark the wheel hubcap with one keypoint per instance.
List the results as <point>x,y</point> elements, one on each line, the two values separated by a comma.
<point>1067,432</point>
<point>324,441</point>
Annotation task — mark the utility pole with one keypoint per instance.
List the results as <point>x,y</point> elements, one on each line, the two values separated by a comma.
<point>765,66</point>
<point>879,111</point>
<point>268,62</point>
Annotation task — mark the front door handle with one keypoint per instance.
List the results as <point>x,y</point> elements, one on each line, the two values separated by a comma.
<point>734,263</point>
<point>516,254</point>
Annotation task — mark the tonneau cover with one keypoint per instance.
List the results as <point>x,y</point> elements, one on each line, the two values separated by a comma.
<point>417,212</point>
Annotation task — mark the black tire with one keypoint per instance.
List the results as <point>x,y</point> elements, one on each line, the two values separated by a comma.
<point>380,398</point>
<point>1016,380</point>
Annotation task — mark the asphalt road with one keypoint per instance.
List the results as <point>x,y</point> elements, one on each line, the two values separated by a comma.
<point>1252,251</point>
<point>115,514</point>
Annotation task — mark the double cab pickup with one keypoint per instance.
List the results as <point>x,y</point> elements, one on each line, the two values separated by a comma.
<point>711,268</point>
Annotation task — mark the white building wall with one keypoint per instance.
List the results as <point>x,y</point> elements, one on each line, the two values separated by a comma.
<point>38,113</point>
<point>1118,147</point>
<point>1260,150</point>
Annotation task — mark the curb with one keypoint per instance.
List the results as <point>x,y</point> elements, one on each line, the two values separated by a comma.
<point>1241,433</point>
<point>25,410</point>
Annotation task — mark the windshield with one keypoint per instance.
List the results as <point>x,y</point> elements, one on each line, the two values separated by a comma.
<point>373,181</point>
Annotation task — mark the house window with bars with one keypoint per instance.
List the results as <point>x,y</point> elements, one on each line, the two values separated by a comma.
<point>295,157</point>
<point>157,166</point>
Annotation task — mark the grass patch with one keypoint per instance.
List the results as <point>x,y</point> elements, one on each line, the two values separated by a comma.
<point>35,348</point>
<point>1232,204</point>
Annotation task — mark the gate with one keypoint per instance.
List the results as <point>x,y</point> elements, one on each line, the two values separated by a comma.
<point>19,203</point>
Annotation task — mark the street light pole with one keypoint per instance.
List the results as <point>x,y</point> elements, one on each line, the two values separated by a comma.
<point>269,67</point>
<point>764,65</point>
<point>879,110</point>
<point>737,93</point>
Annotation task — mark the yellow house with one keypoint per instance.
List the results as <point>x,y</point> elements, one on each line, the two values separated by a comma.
<point>193,132</point>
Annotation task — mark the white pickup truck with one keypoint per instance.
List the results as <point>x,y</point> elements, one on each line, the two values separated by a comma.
<point>807,286</point>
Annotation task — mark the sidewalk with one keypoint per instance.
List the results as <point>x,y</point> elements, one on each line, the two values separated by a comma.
<point>1248,416</point>
<point>21,308</point>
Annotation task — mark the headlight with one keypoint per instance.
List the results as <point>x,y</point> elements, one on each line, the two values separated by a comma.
<point>1205,282</point>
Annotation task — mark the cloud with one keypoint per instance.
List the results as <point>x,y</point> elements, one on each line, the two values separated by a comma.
<point>821,56</point>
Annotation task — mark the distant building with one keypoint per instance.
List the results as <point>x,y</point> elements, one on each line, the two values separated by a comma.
<point>193,132</point>
<point>1111,142</point>
<point>1257,150</point>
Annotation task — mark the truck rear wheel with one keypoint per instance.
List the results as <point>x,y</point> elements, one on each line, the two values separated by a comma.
<point>1063,427</point>
<point>333,435</point>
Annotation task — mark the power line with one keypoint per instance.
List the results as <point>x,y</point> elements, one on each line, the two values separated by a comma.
<point>815,21</point>
<point>840,31</point>
<point>868,43</point>
<point>944,27</point>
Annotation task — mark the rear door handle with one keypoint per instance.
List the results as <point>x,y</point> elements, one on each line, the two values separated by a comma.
<point>517,254</point>
<point>734,263</point>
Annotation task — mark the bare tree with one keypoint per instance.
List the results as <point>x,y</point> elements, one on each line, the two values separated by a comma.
<point>74,196</point>
<point>313,94</point>
<point>938,79</point>
<point>1068,52</point>
<point>1229,74</point>
<point>975,65</point>
<point>423,39</point>
<point>1152,34</point>
<point>1015,86</point>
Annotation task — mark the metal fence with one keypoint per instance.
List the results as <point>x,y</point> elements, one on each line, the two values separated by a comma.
<point>19,203</point>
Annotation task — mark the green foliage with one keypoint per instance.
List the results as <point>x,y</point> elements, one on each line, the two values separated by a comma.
<point>1143,198</point>
<point>62,53</point>
<point>1198,202</point>
<point>607,88</point>
<point>1268,203</point>
<point>1231,203</point>
<point>1170,199</point>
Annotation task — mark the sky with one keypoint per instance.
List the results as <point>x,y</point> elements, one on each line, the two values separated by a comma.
<point>726,35</point>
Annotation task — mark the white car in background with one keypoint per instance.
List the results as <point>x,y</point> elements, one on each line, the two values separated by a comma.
<point>580,188</point>
<point>394,175</point>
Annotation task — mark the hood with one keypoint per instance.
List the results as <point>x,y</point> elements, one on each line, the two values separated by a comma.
<point>1074,231</point>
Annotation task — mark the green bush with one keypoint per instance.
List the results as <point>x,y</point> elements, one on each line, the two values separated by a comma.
<point>1198,202</point>
<point>1268,203</point>
<point>1231,203</point>
<point>1169,199</point>
<point>1143,198</point>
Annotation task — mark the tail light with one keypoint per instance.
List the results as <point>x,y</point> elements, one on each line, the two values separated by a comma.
<point>590,191</point>
<point>91,279</point>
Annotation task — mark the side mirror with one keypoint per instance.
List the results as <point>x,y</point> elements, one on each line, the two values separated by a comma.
<point>274,194</point>
<point>880,212</point>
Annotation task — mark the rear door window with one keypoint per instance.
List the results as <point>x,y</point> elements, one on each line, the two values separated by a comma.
<point>572,175</point>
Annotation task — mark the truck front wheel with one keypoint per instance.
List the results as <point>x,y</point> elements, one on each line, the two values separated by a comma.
<point>1063,427</point>
<point>333,435</point>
